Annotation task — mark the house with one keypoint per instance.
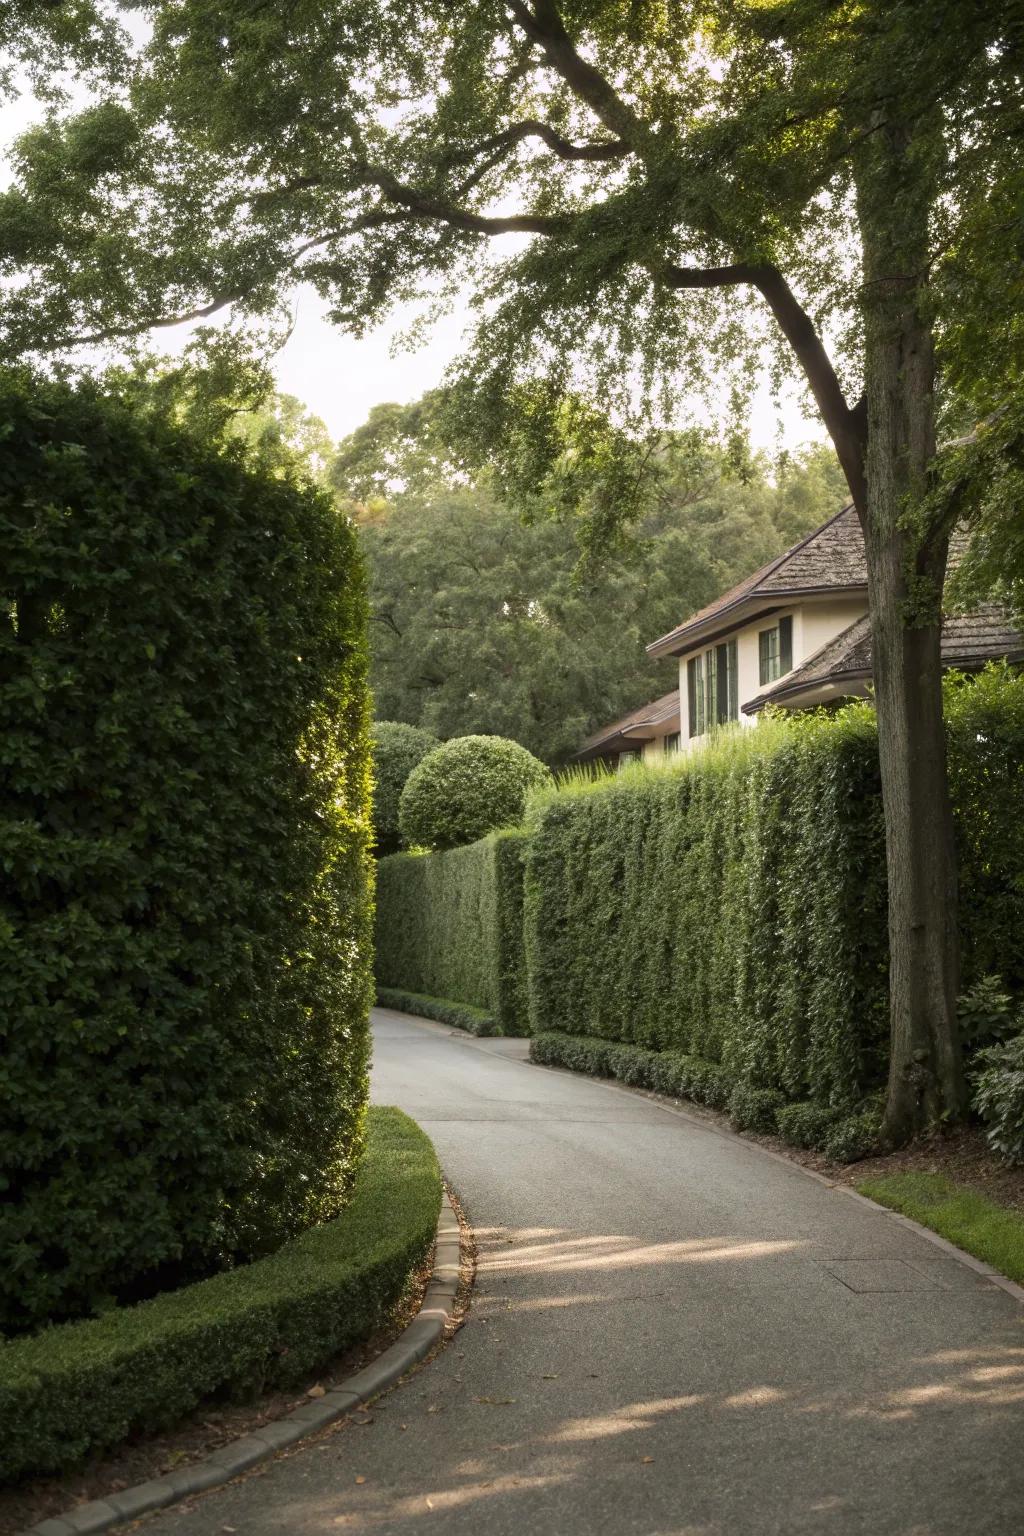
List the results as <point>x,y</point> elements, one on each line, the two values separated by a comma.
<point>794,634</point>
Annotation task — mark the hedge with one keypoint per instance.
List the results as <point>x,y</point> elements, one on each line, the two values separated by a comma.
<point>450,927</point>
<point>731,907</point>
<point>184,934</point>
<point>397,748</point>
<point>459,1015</point>
<point>84,1387</point>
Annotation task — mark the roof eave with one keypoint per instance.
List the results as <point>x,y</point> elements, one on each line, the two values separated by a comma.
<point>743,611</point>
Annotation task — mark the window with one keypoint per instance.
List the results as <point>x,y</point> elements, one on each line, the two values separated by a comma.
<point>672,742</point>
<point>775,651</point>
<point>712,687</point>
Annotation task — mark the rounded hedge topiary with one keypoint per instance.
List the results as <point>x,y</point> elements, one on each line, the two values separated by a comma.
<point>466,788</point>
<point>184,937</point>
<point>397,748</point>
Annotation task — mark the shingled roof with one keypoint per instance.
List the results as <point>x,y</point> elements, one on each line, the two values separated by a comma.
<point>969,640</point>
<point>643,724</point>
<point>830,559</point>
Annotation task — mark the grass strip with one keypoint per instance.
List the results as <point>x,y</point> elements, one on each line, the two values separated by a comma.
<point>476,1021</point>
<point>86,1386</point>
<point>990,1232</point>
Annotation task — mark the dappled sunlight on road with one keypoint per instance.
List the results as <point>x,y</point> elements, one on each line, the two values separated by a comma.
<point>554,1250</point>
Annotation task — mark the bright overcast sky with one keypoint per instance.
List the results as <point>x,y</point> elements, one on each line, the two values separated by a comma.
<point>340,378</point>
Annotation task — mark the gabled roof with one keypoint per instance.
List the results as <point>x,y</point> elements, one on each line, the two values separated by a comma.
<point>969,640</point>
<point>829,559</point>
<point>656,719</point>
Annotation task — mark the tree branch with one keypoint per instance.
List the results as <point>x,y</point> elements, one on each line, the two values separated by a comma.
<point>423,206</point>
<point>543,25</point>
<point>608,149</point>
<point>846,426</point>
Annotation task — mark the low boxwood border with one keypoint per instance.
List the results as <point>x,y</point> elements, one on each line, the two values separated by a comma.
<point>476,1021</point>
<point>843,1135</point>
<point>86,1386</point>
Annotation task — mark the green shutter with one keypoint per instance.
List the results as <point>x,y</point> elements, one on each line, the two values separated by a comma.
<point>785,645</point>
<point>691,697</point>
<point>722,691</point>
<point>734,683</point>
<point>764,656</point>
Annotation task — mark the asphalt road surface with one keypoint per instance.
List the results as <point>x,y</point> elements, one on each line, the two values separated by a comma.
<point>671,1334</point>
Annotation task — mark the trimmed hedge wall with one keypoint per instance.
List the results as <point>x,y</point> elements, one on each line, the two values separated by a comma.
<point>86,1386</point>
<point>450,927</point>
<point>732,906</point>
<point>185,921</point>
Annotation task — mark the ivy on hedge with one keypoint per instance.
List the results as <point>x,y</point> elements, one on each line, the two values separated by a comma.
<point>184,934</point>
<point>450,927</point>
<point>86,1386</point>
<point>731,907</point>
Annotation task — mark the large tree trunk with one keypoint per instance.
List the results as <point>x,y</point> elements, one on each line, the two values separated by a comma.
<point>906,560</point>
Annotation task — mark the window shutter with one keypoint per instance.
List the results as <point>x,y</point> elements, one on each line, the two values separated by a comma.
<point>734,683</point>
<point>786,645</point>
<point>764,657</point>
<point>722,691</point>
<point>691,698</point>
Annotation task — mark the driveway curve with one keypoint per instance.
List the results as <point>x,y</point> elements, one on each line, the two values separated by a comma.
<point>671,1335</point>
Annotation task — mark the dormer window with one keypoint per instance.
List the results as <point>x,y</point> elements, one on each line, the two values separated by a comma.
<point>775,651</point>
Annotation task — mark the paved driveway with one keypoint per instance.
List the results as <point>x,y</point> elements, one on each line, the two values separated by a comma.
<point>671,1333</point>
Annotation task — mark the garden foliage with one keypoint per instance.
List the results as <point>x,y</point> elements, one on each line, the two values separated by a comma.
<point>450,926</point>
<point>184,930</point>
<point>731,907</point>
<point>466,788</point>
<point>86,1386</point>
<point>397,748</point>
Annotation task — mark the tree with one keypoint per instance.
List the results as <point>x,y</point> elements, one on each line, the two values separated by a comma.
<point>669,177</point>
<point>483,624</point>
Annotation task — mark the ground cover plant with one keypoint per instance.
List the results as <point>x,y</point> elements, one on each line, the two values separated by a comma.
<point>450,934</point>
<point>730,908</point>
<point>85,1386</point>
<point>184,937</point>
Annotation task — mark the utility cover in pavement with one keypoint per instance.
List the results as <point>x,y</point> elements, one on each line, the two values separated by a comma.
<point>880,1275</point>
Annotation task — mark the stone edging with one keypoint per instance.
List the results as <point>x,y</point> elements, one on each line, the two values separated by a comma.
<point>415,1342</point>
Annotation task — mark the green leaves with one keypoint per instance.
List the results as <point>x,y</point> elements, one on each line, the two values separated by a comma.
<point>185,933</point>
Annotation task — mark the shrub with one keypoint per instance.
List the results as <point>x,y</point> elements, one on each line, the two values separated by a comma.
<point>397,748</point>
<point>668,1072</point>
<point>184,940</point>
<point>999,1097</point>
<point>755,1109</point>
<point>466,788</point>
<point>450,927</point>
<point>459,1015</point>
<point>854,1137</point>
<point>806,1125</point>
<point>86,1386</point>
<point>986,1014</point>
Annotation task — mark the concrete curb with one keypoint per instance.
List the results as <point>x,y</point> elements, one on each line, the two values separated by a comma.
<point>415,1342</point>
<point>993,1276</point>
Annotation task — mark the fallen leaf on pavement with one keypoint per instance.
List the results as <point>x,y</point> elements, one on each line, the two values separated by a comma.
<point>647,1460</point>
<point>360,1479</point>
<point>317,1391</point>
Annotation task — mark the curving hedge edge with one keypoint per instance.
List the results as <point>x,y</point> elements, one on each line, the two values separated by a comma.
<point>476,1021</point>
<point>86,1386</point>
<point>844,1135</point>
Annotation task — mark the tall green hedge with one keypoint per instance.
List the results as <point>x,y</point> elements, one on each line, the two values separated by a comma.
<point>733,907</point>
<point>451,925</point>
<point>185,923</point>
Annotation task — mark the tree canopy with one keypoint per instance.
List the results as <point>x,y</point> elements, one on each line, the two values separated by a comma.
<point>481,623</point>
